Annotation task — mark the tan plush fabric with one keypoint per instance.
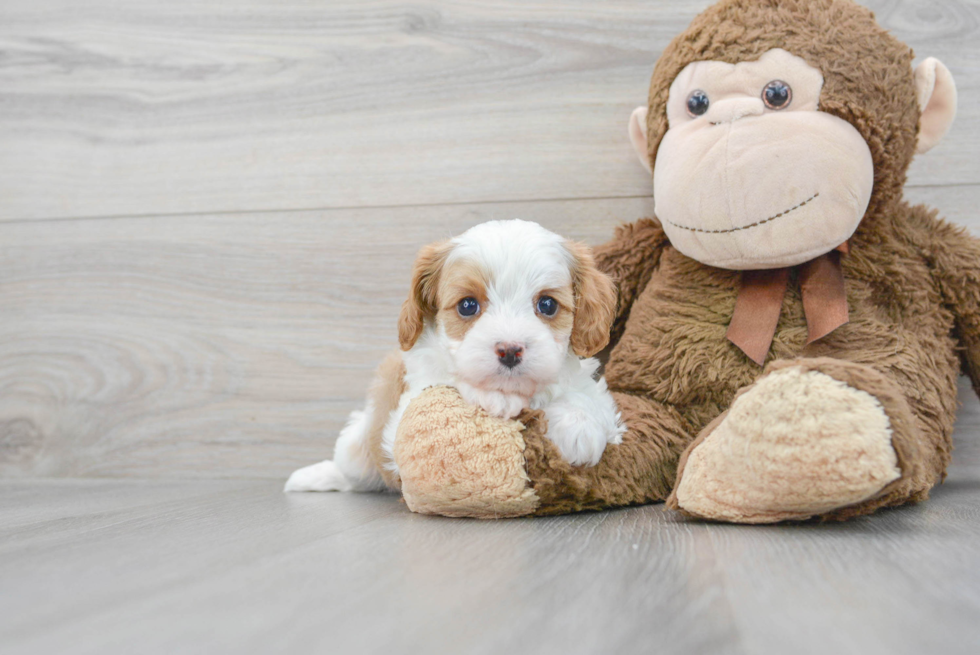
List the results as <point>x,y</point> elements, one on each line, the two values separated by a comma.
<point>455,460</point>
<point>867,72</point>
<point>936,93</point>
<point>796,443</point>
<point>716,192</point>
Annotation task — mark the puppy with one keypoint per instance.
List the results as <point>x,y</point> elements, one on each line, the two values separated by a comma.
<point>503,313</point>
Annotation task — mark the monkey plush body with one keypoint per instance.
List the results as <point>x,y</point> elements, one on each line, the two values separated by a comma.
<point>789,329</point>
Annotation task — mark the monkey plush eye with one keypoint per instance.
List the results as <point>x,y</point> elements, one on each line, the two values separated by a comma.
<point>777,95</point>
<point>468,307</point>
<point>697,103</point>
<point>547,305</point>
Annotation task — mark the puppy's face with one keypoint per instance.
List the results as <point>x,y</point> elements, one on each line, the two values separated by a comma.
<point>507,299</point>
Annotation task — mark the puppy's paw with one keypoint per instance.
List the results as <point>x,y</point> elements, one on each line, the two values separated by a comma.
<point>580,437</point>
<point>505,405</point>
<point>494,403</point>
<point>325,476</point>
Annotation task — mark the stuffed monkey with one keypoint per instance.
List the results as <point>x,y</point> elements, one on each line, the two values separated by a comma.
<point>789,330</point>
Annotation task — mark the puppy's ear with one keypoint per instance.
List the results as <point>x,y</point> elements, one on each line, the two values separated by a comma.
<point>422,298</point>
<point>595,303</point>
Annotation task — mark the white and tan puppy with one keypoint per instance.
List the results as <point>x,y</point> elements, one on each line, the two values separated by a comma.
<point>503,313</point>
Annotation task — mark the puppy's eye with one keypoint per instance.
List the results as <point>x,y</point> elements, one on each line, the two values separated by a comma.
<point>697,103</point>
<point>777,95</point>
<point>547,305</point>
<point>468,307</point>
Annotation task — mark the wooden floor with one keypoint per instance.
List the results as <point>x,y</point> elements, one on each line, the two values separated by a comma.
<point>208,213</point>
<point>150,566</point>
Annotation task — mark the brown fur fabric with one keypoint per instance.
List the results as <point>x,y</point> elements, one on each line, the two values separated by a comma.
<point>913,282</point>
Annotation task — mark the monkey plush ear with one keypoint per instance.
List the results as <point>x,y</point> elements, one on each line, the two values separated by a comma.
<point>638,136</point>
<point>936,93</point>
<point>422,298</point>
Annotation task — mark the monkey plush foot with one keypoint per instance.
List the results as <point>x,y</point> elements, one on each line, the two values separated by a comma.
<point>454,459</point>
<point>810,438</point>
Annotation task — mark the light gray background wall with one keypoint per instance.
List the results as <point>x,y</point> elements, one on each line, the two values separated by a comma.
<point>208,210</point>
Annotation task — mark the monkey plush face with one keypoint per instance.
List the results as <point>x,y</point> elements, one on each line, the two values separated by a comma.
<point>749,173</point>
<point>772,138</point>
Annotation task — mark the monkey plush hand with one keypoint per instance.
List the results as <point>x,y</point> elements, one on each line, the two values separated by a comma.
<point>789,329</point>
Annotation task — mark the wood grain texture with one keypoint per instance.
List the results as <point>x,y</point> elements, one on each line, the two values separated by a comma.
<point>103,567</point>
<point>148,108</point>
<point>213,346</point>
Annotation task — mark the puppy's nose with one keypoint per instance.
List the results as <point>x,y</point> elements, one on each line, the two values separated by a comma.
<point>509,354</point>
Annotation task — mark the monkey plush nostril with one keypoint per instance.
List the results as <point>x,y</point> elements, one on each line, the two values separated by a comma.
<point>731,110</point>
<point>509,354</point>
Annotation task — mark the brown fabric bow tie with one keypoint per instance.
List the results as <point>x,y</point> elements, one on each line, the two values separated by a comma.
<point>760,300</point>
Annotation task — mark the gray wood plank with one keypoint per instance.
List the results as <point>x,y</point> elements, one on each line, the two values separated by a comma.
<point>146,108</point>
<point>209,566</point>
<point>213,346</point>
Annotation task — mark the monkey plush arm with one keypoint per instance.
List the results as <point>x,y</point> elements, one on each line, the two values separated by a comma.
<point>954,256</point>
<point>630,258</point>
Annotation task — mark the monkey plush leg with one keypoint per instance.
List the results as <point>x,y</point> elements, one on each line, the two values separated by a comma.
<point>455,460</point>
<point>811,437</point>
<point>639,470</point>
